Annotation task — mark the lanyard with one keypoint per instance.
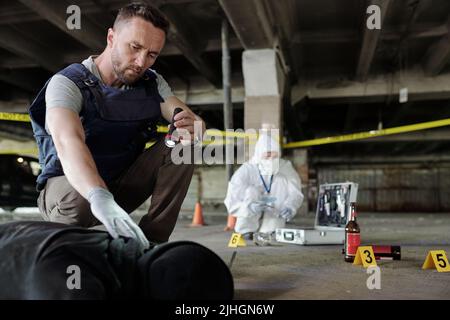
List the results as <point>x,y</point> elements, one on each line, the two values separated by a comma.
<point>267,188</point>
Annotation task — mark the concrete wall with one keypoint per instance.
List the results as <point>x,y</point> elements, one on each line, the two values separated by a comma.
<point>398,188</point>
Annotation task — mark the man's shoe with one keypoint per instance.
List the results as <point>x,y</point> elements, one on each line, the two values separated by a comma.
<point>262,239</point>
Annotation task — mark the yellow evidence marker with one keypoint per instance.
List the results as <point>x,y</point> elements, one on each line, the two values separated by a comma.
<point>236,241</point>
<point>437,259</point>
<point>365,256</point>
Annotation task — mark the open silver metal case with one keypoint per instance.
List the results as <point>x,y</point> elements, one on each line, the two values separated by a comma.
<point>332,214</point>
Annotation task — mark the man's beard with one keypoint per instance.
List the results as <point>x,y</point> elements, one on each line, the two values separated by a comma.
<point>120,72</point>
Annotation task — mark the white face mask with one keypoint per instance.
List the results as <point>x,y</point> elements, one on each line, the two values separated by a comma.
<point>269,167</point>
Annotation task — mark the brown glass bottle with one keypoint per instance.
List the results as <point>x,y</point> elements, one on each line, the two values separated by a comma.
<point>352,236</point>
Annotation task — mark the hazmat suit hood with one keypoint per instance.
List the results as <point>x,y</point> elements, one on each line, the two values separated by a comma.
<point>266,143</point>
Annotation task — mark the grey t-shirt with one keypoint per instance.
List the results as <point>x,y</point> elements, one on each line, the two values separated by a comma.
<point>63,93</point>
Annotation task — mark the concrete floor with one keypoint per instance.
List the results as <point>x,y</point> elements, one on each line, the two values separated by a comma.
<point>285,271</point>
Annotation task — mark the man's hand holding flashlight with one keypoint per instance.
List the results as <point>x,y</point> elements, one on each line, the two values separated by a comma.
<point>185,123</point>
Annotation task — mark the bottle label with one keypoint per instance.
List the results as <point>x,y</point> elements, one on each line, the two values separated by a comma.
<point>353,241</point>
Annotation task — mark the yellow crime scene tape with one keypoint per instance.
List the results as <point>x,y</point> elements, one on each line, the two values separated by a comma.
<point>291,145</point>
<point>27,151</point>
<point>369,134</point>
<point>21,117</point>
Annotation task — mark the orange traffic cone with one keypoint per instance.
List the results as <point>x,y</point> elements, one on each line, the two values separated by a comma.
<point>197,220</point>
<point>231,222</point>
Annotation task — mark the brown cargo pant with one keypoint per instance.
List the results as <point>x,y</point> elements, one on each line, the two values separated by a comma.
<point>152,174</point>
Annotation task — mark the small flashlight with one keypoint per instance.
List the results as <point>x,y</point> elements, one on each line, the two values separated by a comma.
<point>170,140</point>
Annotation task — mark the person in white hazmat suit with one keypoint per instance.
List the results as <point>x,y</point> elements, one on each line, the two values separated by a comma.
<point>264,192</point>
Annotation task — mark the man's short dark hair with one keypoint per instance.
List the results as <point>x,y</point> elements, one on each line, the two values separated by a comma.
<point>144,11</point>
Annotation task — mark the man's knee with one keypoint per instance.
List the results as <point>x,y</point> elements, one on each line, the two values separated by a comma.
<point>73,209</point>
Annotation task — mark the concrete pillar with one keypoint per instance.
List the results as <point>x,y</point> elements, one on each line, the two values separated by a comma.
<point>300,163</point>
<point>264,82</point>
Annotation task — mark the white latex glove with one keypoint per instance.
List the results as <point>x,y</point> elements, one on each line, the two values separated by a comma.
<point>256,207</point>
<point>269,201</point>
<point>116,220</point>
<point>286,214</point>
